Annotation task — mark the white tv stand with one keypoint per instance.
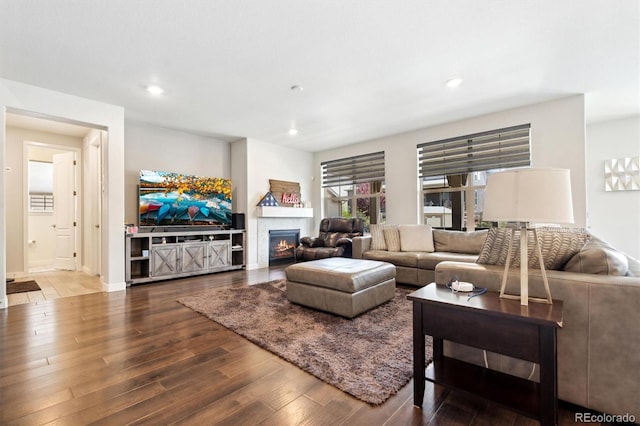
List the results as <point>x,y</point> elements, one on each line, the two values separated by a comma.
<point>154,256</point>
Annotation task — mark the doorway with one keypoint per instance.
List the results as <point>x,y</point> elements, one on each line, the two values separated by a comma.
<point>51,206</point>
<point>34,225</point>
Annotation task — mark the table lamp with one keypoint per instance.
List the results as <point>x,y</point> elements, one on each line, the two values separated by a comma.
<point>524,196</point>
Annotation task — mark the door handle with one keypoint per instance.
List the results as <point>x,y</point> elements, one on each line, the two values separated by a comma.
<point>53,226</point>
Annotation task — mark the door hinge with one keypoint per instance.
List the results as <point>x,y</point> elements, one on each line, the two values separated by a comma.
<point>74,254</point>
<point>74,162</point>
<point>75,224</point>
<point>75,193</point>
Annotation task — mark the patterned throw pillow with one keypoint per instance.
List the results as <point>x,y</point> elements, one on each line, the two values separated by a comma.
<point>557,245</point>
<point>392,238</point>
<point>377,236</point>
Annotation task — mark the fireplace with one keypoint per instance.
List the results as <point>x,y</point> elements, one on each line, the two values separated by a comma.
<point>282,246</point>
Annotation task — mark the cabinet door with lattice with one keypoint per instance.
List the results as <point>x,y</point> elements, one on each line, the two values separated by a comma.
<point>194,257</point>
<point>164,260</point>
<point>219,254</point>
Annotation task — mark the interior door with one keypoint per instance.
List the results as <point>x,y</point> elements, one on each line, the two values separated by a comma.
<point>64,211</point>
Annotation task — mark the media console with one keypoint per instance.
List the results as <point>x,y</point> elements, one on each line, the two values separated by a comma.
<point>154,256</point>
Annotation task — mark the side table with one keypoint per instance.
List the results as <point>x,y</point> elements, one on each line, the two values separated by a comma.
<point>494,324</point>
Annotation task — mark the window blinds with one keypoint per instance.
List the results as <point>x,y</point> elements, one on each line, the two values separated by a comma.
<point>495,149</point>
<point>353,170</point>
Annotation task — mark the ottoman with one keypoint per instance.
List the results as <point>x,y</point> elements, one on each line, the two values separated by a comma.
<point>341,286</point>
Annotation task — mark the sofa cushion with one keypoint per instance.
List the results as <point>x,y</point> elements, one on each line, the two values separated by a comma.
<point>398,258</point>
<point>459,241</point>
<point>598,257</point>
<point>430,260</point>
<point>557,245</point>
<point>392,238</point>
<point>416,238</point>
<point>377,236</point>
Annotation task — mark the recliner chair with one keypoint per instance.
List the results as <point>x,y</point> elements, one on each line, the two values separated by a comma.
<point>334,239</point>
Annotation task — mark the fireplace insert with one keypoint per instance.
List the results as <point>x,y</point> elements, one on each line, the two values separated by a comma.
<point>282,246</point>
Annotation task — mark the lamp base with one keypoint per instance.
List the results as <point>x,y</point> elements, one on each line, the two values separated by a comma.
<point>529,298</point>
<point>524,270</point>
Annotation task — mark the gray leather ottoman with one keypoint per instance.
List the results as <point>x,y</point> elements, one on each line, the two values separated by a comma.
<point>342,286</point>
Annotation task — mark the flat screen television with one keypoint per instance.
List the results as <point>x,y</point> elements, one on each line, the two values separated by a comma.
<point>175,199</point>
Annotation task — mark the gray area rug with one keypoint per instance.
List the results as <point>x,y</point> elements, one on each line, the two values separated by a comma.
<point>369,357</point>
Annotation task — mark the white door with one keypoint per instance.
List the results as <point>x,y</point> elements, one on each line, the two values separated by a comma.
<point>64,211</point>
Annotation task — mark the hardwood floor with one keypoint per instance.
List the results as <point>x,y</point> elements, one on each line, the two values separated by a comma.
<point>139,357</point>
<point>56,284</point>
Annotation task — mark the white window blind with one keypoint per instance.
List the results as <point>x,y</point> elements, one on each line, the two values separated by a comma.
<point>496,149</point>
<point>353,170</point>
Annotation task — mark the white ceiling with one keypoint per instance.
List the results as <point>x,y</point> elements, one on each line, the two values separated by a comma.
<point>369,68</point>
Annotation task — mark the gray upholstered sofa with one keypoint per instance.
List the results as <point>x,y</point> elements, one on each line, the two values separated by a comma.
<point>413,265</point>
<point>599,343</point>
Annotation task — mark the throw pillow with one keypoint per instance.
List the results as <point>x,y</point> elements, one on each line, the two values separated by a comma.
<point>557,245</point>
<point>598,257</point>
<point>392,238</point>
<point>377,236</point>
<point>416,238</point>
<point>459,241</point>
<point>496,246</point>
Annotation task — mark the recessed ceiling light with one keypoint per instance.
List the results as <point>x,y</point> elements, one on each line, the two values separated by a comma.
<point>155,90</point>
<point>454,82</point>
<point>293,131</point>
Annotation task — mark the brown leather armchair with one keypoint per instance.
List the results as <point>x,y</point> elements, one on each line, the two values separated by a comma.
<point>334,239</point>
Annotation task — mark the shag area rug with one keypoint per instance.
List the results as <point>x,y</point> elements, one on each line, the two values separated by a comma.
<point>22,286</point>
<point>369,357</point>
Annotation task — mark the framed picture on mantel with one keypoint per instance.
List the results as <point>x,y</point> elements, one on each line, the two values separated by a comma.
<point>286,193</point>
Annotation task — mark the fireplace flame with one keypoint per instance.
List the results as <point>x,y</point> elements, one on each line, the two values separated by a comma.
<point>284,245</point>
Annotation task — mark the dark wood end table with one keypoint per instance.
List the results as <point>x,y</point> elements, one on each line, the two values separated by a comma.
<point>494,324</point>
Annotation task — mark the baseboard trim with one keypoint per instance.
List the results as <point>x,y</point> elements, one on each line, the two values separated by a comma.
<point>110,287</point>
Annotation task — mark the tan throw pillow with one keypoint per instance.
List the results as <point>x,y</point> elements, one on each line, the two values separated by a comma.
<point>459,241</point>
<point>557,245</point>
<point>392,238</point>
<point>598,257</point>
<point>416,238</point>
<point>377,236</point>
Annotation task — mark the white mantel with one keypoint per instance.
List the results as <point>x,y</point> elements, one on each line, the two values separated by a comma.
<point>270,211</point>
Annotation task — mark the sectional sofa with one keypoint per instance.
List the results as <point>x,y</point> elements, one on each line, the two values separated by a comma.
<point>599,342</point>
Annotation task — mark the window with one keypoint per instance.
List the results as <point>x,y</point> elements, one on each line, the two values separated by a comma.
<point>453,173</point>
<point>40,186</point>
<point>355,187</point>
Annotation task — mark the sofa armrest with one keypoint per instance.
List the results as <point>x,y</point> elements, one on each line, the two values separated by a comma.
<point>312,242</point>
<point>344,242</point>
<point>359,245</point>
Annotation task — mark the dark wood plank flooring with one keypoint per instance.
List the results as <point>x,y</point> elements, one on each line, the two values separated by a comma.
<point>139,357</point>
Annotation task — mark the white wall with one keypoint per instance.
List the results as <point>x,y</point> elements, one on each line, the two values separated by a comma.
<point>557,140</point>
<point>155,148</point>
<point>19,96</point>
<point>613,216</point>
<point>264,161</point>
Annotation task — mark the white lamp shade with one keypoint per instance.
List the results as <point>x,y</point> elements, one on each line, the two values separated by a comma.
<point>529,195</point>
